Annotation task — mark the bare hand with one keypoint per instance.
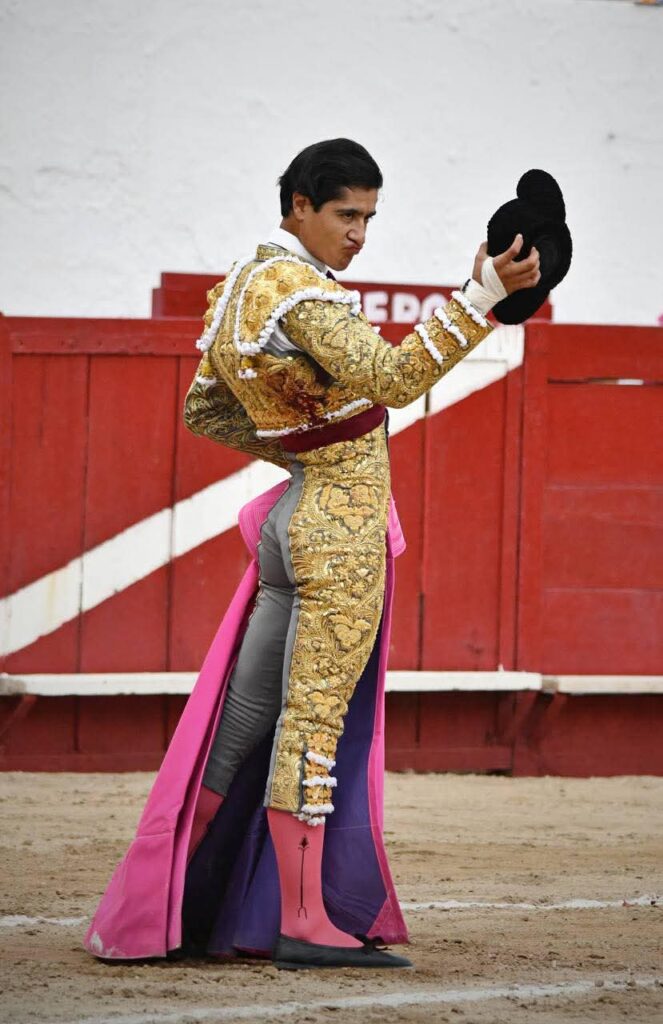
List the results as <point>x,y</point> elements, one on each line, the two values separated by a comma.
<point>513,275</point>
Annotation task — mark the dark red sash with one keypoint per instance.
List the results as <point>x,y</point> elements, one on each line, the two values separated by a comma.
<point>343,430</point>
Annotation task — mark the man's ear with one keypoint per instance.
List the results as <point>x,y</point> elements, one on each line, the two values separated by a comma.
<point>300,205</point>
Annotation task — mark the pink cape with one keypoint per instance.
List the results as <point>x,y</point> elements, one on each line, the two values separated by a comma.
<point>140,914</point>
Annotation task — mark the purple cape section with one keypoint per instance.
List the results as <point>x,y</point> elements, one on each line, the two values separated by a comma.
<point>228,898</point>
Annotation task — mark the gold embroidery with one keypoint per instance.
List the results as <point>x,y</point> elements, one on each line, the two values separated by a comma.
<point>337,545</point>
<point>341,359</point>
<point>362,364</point>
<point>214,412</point>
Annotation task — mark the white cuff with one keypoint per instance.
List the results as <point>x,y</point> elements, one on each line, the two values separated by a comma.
<point>491,290</point>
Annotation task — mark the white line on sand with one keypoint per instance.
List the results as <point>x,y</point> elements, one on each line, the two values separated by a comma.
<point>22,921</point>
<point>633,901</point>
<point>421,997</point>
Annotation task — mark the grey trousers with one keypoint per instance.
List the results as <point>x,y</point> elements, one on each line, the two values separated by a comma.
<point>258,686</point>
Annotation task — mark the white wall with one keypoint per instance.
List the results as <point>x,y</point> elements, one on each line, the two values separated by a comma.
<point>146,135</point>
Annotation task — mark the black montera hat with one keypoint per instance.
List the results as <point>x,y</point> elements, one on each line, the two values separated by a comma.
<point>540,216</point>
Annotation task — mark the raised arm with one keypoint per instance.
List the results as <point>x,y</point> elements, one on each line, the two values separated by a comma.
<point>350,350</point>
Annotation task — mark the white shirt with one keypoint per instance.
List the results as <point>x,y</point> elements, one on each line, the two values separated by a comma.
<point>279,343</point>
<point>285,240</point>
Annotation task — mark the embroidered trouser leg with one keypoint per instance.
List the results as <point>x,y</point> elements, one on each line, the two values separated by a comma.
<point>336,544</point>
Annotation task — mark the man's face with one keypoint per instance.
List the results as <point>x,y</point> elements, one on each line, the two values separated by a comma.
<point>337,232</point>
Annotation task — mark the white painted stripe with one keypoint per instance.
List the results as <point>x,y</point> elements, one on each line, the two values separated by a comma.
<point>414,997</point>
<point>576,904</point>
<point>21,921</point>
<point>129,556</point>
<point>215,509</point>
<point>40,607</point>
<point>602,685</point>
<point>49,602</point>
<point>118,563</point>
<point>107,684</point>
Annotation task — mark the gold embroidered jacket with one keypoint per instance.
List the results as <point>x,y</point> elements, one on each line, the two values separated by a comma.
<point>248,397</point>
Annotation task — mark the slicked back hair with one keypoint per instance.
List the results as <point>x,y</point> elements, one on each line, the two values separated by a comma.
<point>323,170</point>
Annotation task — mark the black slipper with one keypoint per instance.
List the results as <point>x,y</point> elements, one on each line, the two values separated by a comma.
<point>296,955</point>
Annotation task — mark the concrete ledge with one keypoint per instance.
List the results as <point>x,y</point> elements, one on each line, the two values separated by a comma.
<point>578,686</point>
<point>107,684</point>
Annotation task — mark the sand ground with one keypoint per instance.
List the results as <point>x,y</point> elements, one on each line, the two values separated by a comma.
<point>464,838</point>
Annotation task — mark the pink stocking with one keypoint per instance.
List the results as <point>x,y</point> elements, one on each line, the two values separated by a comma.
<point>298,849</point>
<point>206,807</point>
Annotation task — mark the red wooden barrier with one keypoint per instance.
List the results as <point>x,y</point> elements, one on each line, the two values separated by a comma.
<point>591,555</point>
<point>532,510</point>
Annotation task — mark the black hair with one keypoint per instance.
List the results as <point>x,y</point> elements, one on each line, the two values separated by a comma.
<point>323,170</point>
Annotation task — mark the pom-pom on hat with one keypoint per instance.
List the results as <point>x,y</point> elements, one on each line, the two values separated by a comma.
<point>539,215</point>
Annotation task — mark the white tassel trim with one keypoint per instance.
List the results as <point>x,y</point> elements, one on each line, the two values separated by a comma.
<point>206,382</point>
<point>247,374</point>
<point>280,433</point>
<point>311,821</point>
<point>473,313</point>
<point>244,346</point>
<point>317,809</point>
<point>350,407</point>
<point>321,780</point>
<point>430,347</point>
<point>320,759</point>
<point>456,332</point>
<point>206,339</point>
<point>303,295</point>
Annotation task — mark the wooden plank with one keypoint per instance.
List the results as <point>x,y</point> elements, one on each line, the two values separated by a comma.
<point>130,630</point>
<point>130,476</point>
<point>605,434</point>
<point>47,730</point>
<point>407,472</point>
<point>401,721</point>
<point>115,761</point>
<point>598,736</point>
<point>133,403</point>
<point>495,758</point>
<point>49,441</point>
<point>456,719</point>
<point>87,336</point>
<point>112,725</point>
<point>462,557</point>
<point>510,539</point>
<point>203,580</point>
<point>584,351</point>
<point>203,583</point>
<point>48,436</point>
<point>603,536</point>
<point>58,651</point>
<point>602,631</point>
<point>535,443</point>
